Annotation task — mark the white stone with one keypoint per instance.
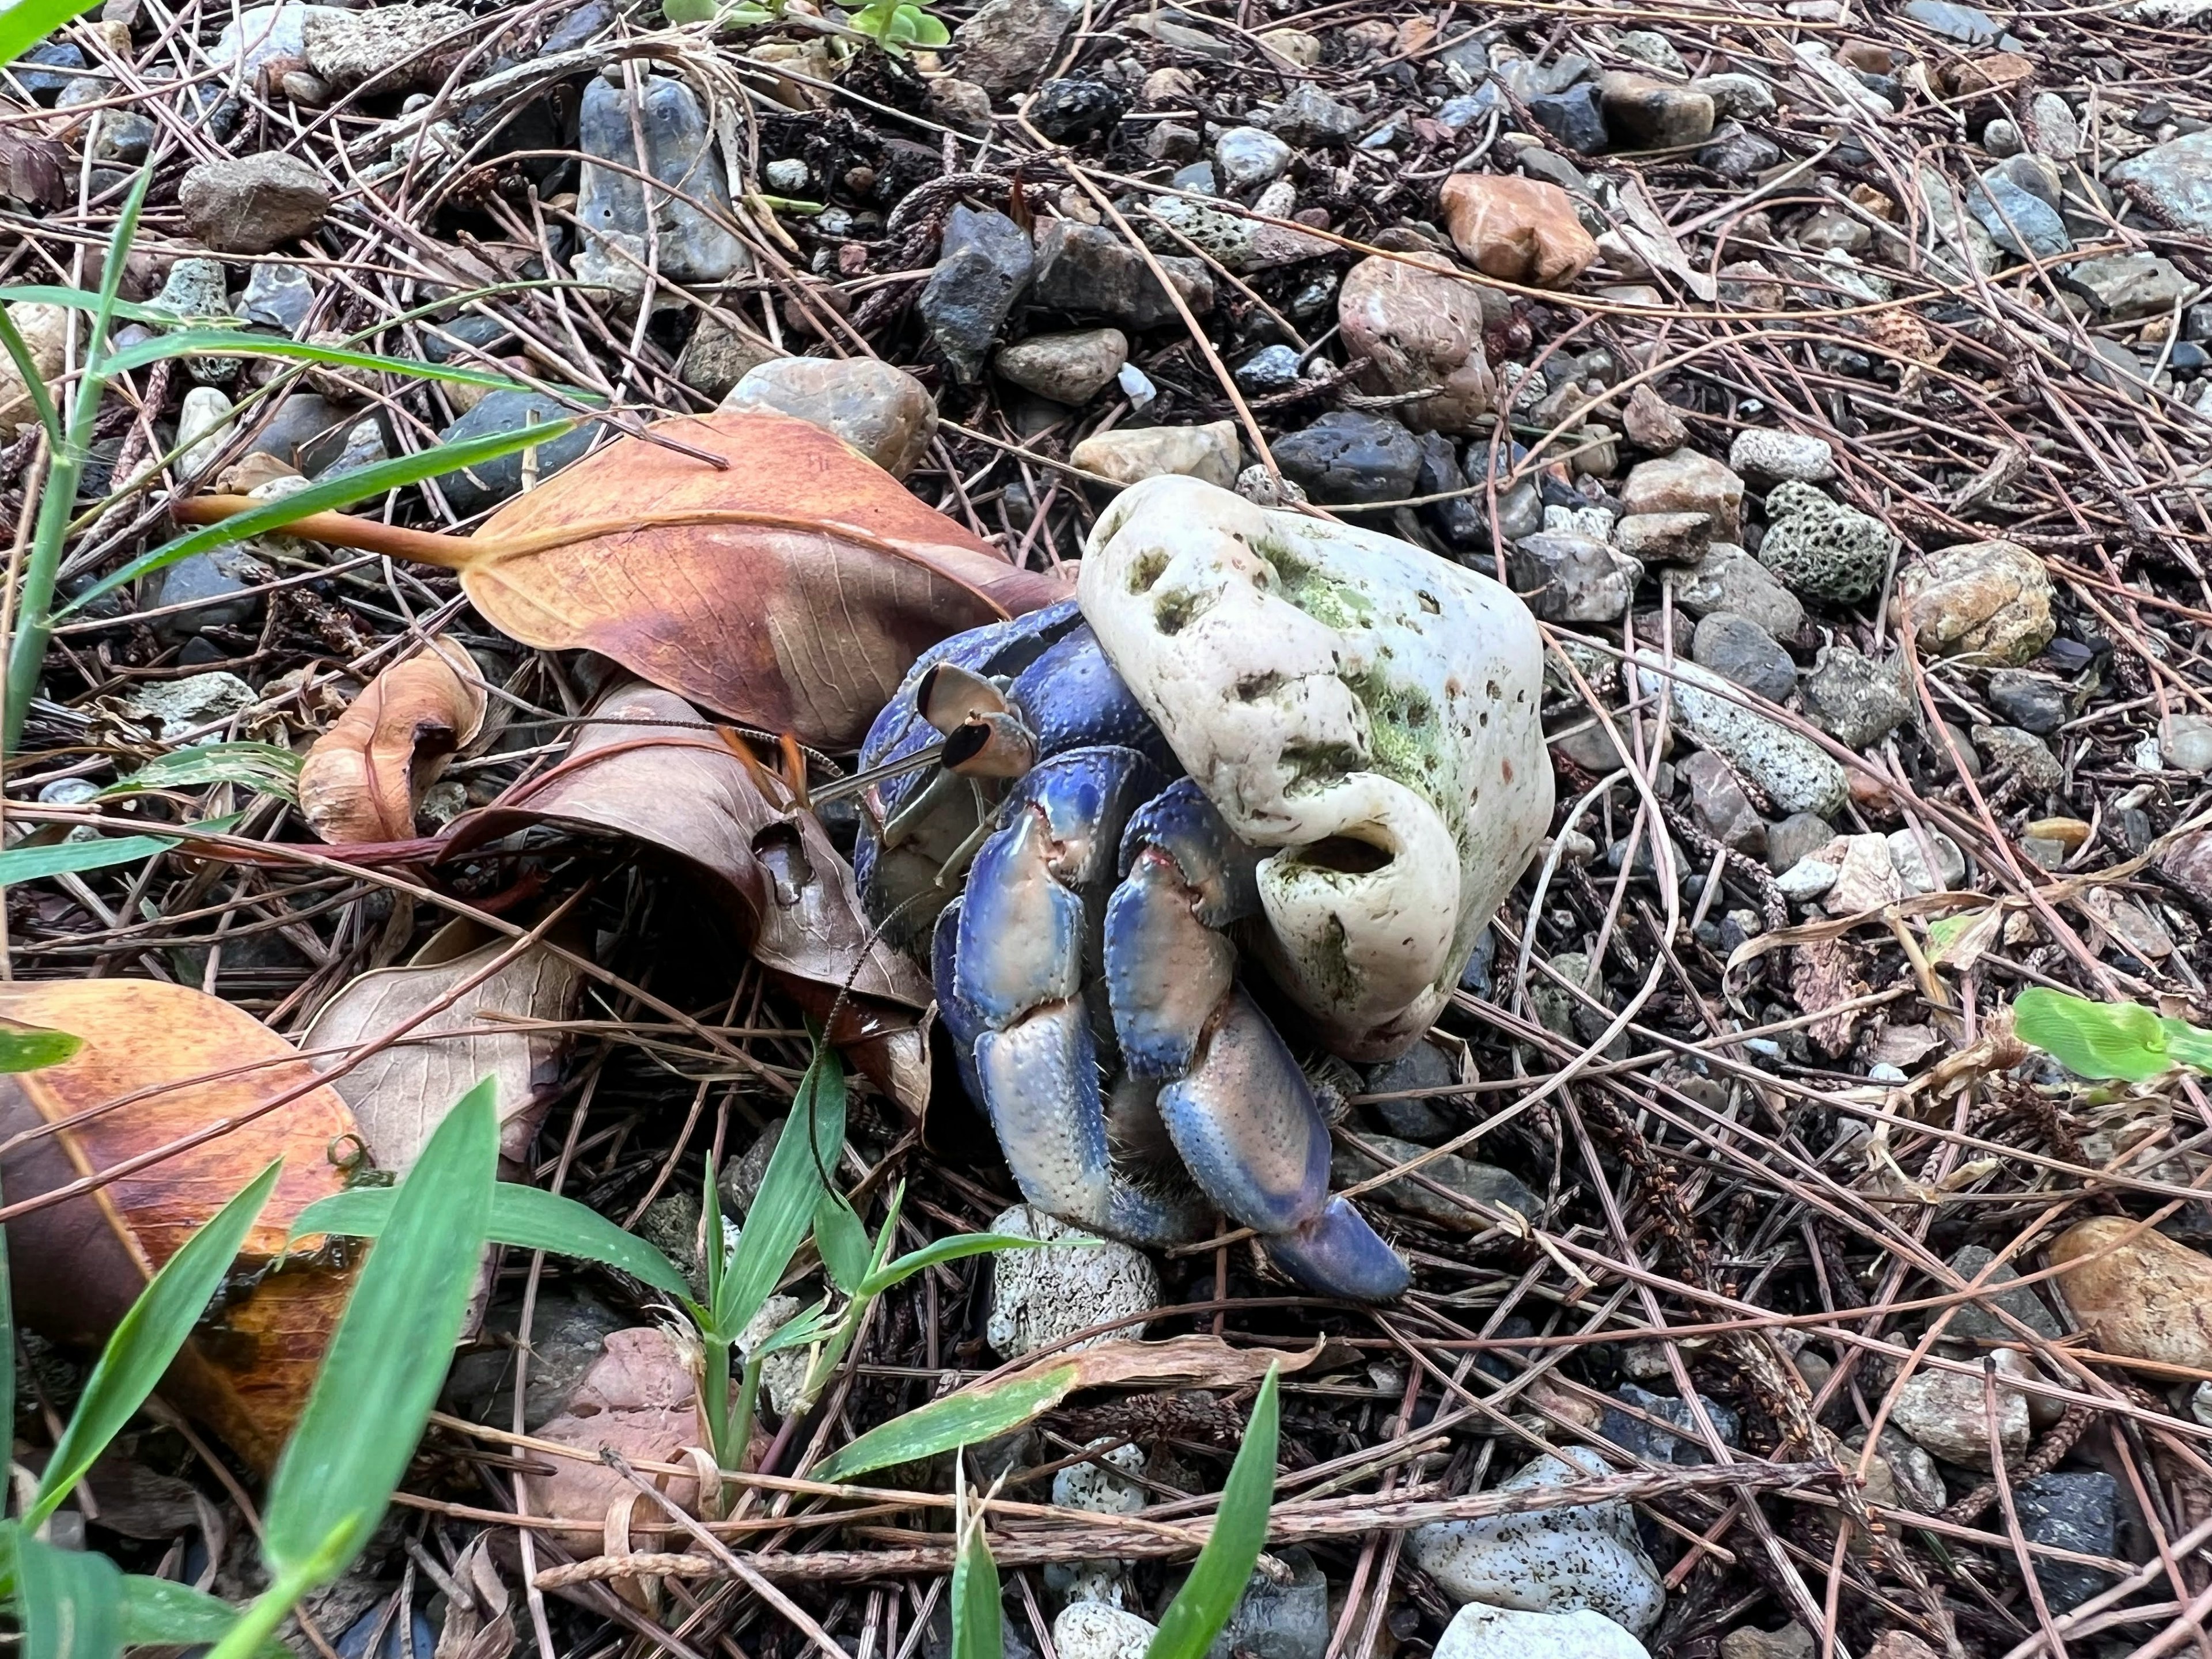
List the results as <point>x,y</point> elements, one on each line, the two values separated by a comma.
<point>1129,455</point>
<point>202,424</point>
<point>1943,1410</point>
<point>1092,1630</point>
<point>1548,1560</point>
<point>1866,879</point>
<point>1256,638</point>
<point>1102,1490</point>
<point>1912,868</point>
<point>1762,451</point>
<point>1797,774</point>
<point>1250,156</point>
<point>1038,1297</point>
<point>1807,879</point>
<point>1479,1633</point>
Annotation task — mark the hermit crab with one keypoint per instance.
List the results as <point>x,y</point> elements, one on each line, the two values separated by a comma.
<point>1253,737</point>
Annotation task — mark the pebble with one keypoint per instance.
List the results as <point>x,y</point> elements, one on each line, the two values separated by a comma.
<point>1686,481</point>
<point>1972,1323</point>
<point>1309,116</point>
<point>1748,1642</point>
<point>1295,46</point>
<point>1730,579</point>
<point>1092,1630</point>
<point>2051,129</point>
<point>216,585</point>
<point>2184,743</point>
<point>2001,139</point>
<point>1968,25</point>
<point>1517,229</point>
<point>488,484</point>
<point>1738,154</point>
<point>2127,287</point>
<point>1943,1412</point>
<point>1765,452</point>
<point>1477,1632</point>
<point>277,296</point>
<point>1548,1560</point>
<point>1270,369</point>
<point>1421,1117</point>
<point>1069,368</point>
<point>203,421</point>
<point>1990,599</point>
<point>1796,773</point>
<point>1651,422</point>
<point>1087,271</point>
<point>2016,218</point>
<point>1279,1621</point>
<point>1570,578</point>
<point>2033,702</point>
<point>44,330</point>
<point>2173,180</point>
<point>1798,836</point>
<point>961,105</point>
<point>882,411</point>
<point>1722,809</point>
<point>2076,1510</point>
<point>1128,455</point>
<point>1821,548</point>
<point>400,48</point>
<point>1739,649</point>
<point>1641,1439</point>
<point>1855,700</point>
<point>1572,117</point>
<point>252,203</point>
<point>1347,458</point>
<point>1737,96</point>
<point>1419,326</point>
<point>1809,879</point>
<point>1904,1468</point>
<point>719,357</point>
<point>983,265</point>
<point>691,244</point>
<point>2138,1294</point>
<point>1487,1184</point>
<point>1038,1297</point>
<point>1249,158</point>
<point>1664,538</point>
<point>1911,865</point>
<point>2023,753</point>
<point>1071,110</point>
<point>1866,877</point>
<point>1008,43</point>
<point>1646,113</point>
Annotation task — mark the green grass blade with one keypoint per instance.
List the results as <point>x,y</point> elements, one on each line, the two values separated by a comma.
<point>84,299</point>
<point>525,1217</point>
<point>69,1602</point>
<point>954,1249</point>
<point>2120,1040</point>
<point>1224,1567</point>
<point>266,768</point>
<point>783,1210</point>
<point>979,1624</point>
<point>34,384</point>
<point>67,857</point>
<point>201,341</point>
<point>974,1414</point>
<point>148,1337</point>
<point>390,1354</point>
<point>842,1241</point>
<point>31,1048</point>
<point>161,1613</point>
<point>326,496</point>
<point>26,22</point>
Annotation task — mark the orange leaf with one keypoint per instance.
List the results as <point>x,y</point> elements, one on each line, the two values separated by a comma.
<point>789,590</point>
<point>648,768</point>
<point>364,776</point>
<point>161,1062</point>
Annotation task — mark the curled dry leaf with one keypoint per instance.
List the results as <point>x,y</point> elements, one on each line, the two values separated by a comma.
<point>479,1622</point>
<point>640,1399</point>
<point>789,589</point>
<point>161,1062</point>
<point>364,776</point>
<point>467,981</point>
<point>648,768</point>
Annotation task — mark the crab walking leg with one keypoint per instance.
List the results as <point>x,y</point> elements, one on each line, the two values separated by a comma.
<point>1023,932</point>
<point>1235,1105</point>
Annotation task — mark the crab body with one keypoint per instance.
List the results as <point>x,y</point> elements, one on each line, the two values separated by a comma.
<point>1249,729</point>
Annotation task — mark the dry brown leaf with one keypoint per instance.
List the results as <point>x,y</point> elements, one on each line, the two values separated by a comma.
<point>790,589</point>
<point>648,768</point>
<point>401,1093</point>
<point>1181,1362</point>
<point>479,1624</point>
<point>640,1398</point>
<point>1823,974</point>
<point>364,776</point>
<point>161,1062</point>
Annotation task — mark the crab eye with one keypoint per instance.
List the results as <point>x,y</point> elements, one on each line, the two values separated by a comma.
<point>990,746</point>
<point>950,696</point>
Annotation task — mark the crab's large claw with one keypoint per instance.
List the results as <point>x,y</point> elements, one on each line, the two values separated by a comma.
<point>1233,1100</point>
<point>1025,929</point>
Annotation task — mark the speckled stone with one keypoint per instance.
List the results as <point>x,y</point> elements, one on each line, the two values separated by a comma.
<point>1820,549</point>
<point>1797,774</point>
<point>1038,1297</point>
<point>1686,481</point>
<point>1943,1410</point>
<point>1990,599</point>
<point>882,411</point>
<point>1477,1632</point>
<point>1551,1560</point>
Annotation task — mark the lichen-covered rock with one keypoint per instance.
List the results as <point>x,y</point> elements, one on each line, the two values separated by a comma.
<point>1990,599</point>
<point>1820,549</point>
<point>1767,452</point>
<point>1038,1297</point>
<point>1092,1630</point>
<point>1257,640</point>
<point>1549,1561</point>
<point>1854,699</point>
<point>1797,774</point>
<point>401,48</point>
<point>1477,1632</point>
<point>1419,326</point>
